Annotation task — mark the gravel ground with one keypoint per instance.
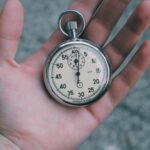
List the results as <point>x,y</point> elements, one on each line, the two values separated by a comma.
<point>128,128</point>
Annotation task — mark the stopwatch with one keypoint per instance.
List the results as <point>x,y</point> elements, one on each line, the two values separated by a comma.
<point>77,73</point>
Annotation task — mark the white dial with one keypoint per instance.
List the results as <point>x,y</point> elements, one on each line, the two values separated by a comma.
<point>77,73</point>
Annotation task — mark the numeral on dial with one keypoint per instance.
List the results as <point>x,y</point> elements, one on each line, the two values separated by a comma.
<point>96,81</point>
<point>59,65</point>
<point>64,57</point>
<point>58,76</point>
<point>98,70</point>
<point>85,54</point>
<point>74,51</point>
<point>81,94</point>
<point>94,61</point>
<point>91,90</point>
<point>70,93</point>
<point>63,86</point>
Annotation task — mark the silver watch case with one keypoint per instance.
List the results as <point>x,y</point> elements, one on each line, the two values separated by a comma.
<point>48,61</point>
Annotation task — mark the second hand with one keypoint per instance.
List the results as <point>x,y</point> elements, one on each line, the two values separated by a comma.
<point>79,83</point>
<point>78,73</point>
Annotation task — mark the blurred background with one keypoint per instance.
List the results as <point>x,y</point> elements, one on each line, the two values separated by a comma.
<point>128,127</point>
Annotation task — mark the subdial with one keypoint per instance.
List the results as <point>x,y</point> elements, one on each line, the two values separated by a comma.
<point>76,59</point>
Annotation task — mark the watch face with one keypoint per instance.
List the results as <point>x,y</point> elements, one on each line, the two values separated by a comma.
<point>77,73</point>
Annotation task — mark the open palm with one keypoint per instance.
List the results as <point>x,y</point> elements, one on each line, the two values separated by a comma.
<point>29,117</point>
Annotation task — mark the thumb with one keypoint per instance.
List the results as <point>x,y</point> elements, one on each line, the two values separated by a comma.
<point>11,25</point>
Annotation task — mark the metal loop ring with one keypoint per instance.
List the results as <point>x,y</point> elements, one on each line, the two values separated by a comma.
<point>82,26</point>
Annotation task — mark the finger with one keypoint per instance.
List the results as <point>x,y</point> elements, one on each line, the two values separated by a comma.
<point>11,25</point>
<point>134,29</point>
<point>86,7</point>
<point>142,60</point>
<point>104,21</point>
<point>130,34</point>
<point>138,23</point>
<point>132,73</point>
<point>140,63</point>
<point>123,84</point>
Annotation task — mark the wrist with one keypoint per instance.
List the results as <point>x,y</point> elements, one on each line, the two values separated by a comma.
<point>7,144</point>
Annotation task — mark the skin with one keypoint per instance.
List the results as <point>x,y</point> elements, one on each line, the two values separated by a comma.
<point>29,118</point>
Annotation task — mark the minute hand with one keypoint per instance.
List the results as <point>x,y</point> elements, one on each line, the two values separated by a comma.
<point>78,73</point>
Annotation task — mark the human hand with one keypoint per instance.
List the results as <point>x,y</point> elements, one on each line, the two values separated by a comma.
<point>29,118</point>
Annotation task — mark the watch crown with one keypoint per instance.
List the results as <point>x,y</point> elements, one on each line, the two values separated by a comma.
<point>72,28</point>
<point>72,25</point>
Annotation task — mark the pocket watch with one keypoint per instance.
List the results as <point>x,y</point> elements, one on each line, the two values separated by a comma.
<point>77,73</point>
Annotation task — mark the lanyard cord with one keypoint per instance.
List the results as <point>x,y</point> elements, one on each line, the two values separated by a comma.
<point>124,64</point>
<point>99,5</point>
